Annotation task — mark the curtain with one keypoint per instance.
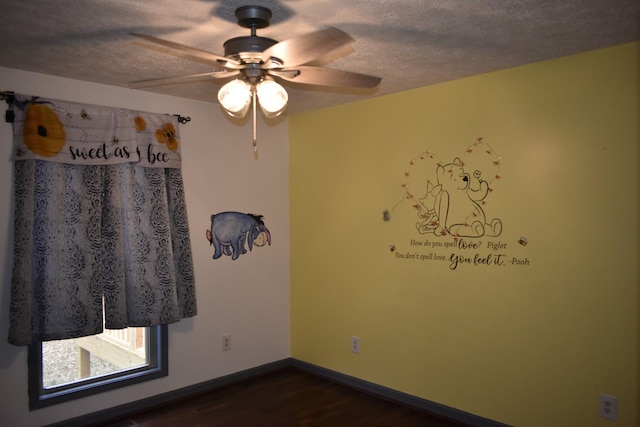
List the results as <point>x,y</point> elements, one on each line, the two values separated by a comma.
<point>101,231</point>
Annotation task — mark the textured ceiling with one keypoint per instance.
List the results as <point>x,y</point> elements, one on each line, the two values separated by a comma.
<point>409,43</point>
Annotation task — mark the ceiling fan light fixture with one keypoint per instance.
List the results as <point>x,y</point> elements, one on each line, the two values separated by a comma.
<point>235,97</point>
<point>272,98</point>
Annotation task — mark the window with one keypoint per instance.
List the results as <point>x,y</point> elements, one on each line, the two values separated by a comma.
<point>64,370</point>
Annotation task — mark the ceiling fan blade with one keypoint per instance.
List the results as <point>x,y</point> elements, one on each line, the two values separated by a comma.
<point>182,79</point>
<point>193,52</point>
<point>306,48</point>
<point>326,77</point>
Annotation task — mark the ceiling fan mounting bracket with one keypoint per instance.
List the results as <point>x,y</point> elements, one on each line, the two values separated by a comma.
<point>253,17</point>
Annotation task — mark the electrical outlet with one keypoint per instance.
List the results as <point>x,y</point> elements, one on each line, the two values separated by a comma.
<point>226,342</point>
<point>355,344</point>
<point>608,407</point>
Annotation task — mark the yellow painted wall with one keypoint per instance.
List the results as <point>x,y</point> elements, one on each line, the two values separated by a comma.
<point>531,344</point>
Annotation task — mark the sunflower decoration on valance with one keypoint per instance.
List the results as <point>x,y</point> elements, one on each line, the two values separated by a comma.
<point>69,132</point>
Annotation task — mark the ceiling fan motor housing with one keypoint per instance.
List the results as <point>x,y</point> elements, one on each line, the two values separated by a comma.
<point>236,45</point>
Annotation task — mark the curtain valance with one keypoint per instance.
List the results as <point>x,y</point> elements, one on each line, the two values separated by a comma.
<point>101,233</point>
<point>75,133</point>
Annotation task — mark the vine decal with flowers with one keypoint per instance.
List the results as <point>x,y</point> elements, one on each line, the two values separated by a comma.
<point>451,204</point>
<point>68,132</point>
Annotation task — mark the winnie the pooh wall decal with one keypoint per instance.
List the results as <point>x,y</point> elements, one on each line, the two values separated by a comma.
<point>450,197</point>
<point>452,204</point>
<point>231,230</point>
<point>455,225</point>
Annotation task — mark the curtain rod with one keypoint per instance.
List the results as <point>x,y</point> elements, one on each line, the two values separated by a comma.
<point>9,96</point>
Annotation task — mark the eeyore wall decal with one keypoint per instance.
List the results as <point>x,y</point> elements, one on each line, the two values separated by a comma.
<point>230,230</point>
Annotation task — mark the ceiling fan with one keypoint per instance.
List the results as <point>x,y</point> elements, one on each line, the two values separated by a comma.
<point>256,64</point>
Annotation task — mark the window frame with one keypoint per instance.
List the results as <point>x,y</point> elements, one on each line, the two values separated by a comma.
<point>157,367</point>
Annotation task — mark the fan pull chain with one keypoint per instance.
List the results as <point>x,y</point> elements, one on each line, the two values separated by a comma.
<point>255,136</point>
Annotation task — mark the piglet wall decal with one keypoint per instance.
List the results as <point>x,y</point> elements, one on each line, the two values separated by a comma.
<point>230,230</point>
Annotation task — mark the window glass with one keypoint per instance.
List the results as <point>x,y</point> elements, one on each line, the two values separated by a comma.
<point>67,369</point>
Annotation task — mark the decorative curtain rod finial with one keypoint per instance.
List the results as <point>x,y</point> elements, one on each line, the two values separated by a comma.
<point>9,97</point>
<point>182,119</point>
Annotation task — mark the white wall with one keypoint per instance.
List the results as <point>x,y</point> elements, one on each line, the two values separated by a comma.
<point>248,297</point>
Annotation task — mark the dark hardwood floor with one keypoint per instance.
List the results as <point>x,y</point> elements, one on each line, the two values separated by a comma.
<point>286,397</point>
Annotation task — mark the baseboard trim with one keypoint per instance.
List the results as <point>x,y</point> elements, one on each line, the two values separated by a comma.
<point>438,409</point>
<point>129,409</point>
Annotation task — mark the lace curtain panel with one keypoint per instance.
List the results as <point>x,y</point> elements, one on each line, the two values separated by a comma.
<point>101,228</point>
